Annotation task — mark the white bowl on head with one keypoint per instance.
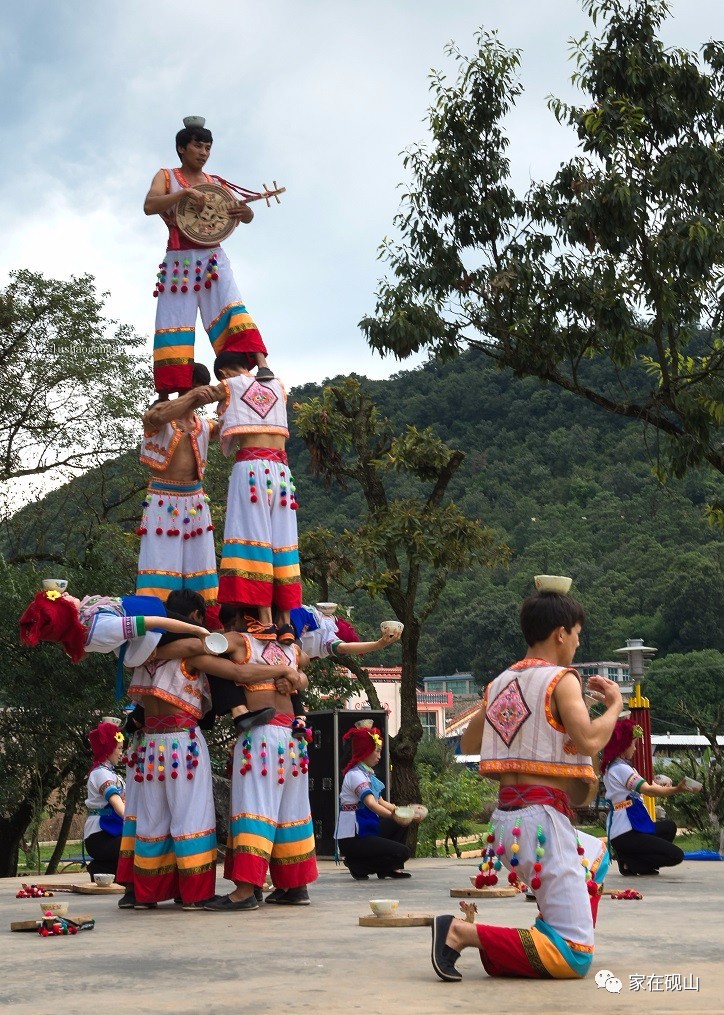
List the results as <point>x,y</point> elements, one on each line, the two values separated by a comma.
<point>327,609</point>
<point>405,815</point>
<point>55,584</point>
<point>216,644</point>
<point>104,880</point>
<point>54,908</point>
<point>552,583</point>
<point>384,907</point>
<point>392,627</point>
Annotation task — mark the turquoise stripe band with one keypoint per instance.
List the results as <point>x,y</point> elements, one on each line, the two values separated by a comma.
<point>157,486</point>
<point>285,557</point>
<point>223,322</point>
<point>183,337</point>
<point>190,847</point>
<point>248,552</point>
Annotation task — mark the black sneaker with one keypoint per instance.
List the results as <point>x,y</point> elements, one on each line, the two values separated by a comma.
<point>295,897</point>
<point>191,906</point>
<point>127,901</point>
<point>443,956</point>
<point>225,904</point>
<point>276,896</point>
<point>258,894</point>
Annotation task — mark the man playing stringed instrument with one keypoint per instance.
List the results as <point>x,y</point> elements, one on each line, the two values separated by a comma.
<point>196,276</point>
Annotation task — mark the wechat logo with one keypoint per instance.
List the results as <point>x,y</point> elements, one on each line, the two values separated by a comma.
<point>605,978</point>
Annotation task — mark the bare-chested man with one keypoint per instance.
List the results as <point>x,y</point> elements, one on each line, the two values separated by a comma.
<point>177,541</point>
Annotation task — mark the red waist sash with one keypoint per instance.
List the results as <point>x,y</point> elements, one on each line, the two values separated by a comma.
<point>168,723</point>
<point>281,719</point>
<point>257,454</point>
<point>515,798</point>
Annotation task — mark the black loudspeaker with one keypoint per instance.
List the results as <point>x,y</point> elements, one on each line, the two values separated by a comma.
<point>327,758</point>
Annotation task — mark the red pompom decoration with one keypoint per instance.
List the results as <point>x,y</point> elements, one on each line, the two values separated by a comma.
<point>535,883</point>
<point>481,881</point>
<point>159,531</point>
<point>197,287</point>
<point>513,878</point>
<point>207,284</point>
<point>187,535</point>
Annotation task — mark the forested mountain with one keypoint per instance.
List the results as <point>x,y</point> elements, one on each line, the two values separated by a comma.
<point>567,486</point>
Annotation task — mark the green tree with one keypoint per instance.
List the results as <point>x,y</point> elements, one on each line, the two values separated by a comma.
<point>618,257</point>
<point>687,690</point>
<point>73,386</point>
<point>47,704</point>
<point>406,546</point>
<point>453,795</point>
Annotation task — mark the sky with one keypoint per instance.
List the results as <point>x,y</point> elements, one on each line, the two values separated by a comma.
<point>321,96</point>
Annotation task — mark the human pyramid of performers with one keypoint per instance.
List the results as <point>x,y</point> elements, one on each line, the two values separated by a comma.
<point>533,732</point>
<point>161,843</point>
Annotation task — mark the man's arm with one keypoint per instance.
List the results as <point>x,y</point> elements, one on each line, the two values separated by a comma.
<point>158,201</point>
<point>242,673</point>
<point>589,735</point>
<point>472,738</point>
<point>361,648</point>
<point>163,412</point>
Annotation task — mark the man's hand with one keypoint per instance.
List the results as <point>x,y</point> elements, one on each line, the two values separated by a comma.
<point>388,638</point>
<point>608,689</point>
<point>198,197</point>
<point>242,212</point>
<point>207,393</point>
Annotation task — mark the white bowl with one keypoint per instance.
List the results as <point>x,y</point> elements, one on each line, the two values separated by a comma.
<point>391,627</point>
<point>552,583</point>
<point>692,784</point>
<point>327,609</point>
<point>104,880</point>
<point>54,908</point>
<point>421,812</point>
<point>216,644</point>
<point>55,584</point>
<point>383,907</point>
<point>404,815</point>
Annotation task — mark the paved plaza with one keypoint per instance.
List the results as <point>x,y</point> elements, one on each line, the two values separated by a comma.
<point>281,961</point>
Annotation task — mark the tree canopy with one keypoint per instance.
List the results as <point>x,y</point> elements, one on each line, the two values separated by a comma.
<point>618,256</point>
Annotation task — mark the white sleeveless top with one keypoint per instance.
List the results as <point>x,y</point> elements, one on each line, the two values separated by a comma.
<point>171,681</point>
<point>158,446</point>
<point>520,733</point>
<point>249,407</point>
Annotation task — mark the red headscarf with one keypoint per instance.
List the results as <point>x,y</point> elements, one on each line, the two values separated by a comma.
<point>54,619</point>
<point>104,740</point>
<point>211,618</point>
<point>624,733</point>
<point>345,630</point>
<point>363,740</point>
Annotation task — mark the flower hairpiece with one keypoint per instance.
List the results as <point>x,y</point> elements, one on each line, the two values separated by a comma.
<point>119,737</point>
<point>377,739</point>
<point>52,594</point>
<point>637,732</point>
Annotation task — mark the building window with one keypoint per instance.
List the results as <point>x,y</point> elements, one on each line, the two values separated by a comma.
<point>429,725</point>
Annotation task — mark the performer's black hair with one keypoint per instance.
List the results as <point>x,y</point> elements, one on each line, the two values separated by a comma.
<point>227,614</point>
<point>201,374</point>
<point>184,601</point>
<point>188,134</point>
<point>543,612</point>
<point>230,359</point>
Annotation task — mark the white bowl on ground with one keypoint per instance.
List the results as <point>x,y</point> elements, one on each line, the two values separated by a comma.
<point>104,880</point>
<point>383,907</point>
<point>552,583</point>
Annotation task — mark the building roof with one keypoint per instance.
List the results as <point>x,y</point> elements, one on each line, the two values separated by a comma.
<point>459,724</point>
<point>682,740</point>
<point>384,674</point>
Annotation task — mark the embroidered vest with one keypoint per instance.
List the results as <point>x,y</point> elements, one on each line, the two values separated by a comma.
<point>250,407</point>
<point>171,681</point>
<point>175,181</point>
<point>520,733</point>
<point>158,446</point>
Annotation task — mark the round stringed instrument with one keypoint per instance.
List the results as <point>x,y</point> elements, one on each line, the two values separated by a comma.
<point>209,225</point>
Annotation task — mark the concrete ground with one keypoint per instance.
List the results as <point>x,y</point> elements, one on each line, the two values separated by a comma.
<point>317,959</point>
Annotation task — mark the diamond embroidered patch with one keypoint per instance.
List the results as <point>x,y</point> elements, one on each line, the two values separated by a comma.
<point>508,712</point>
<point>260,398</point>
<point>274,655</point>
